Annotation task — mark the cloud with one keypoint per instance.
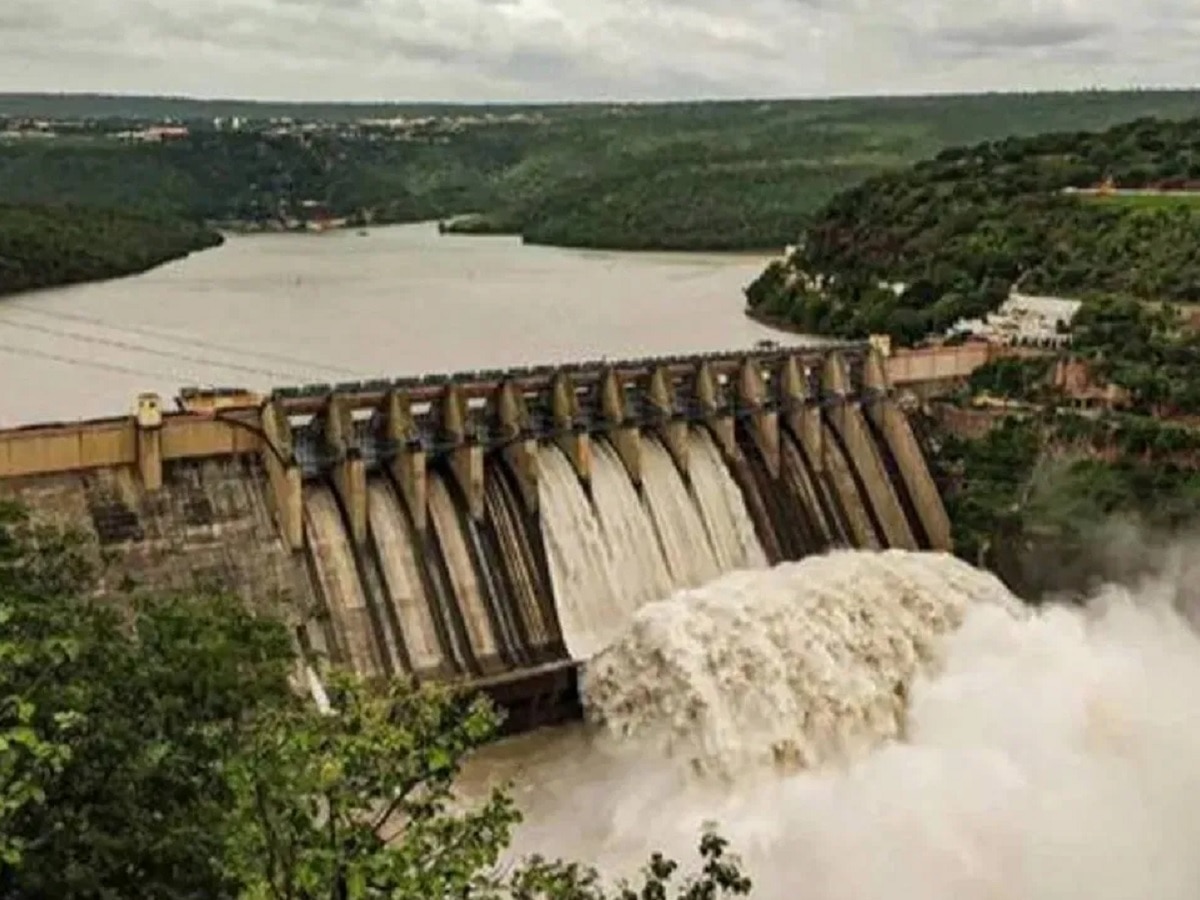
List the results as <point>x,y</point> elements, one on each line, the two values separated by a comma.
<point>591,49</point>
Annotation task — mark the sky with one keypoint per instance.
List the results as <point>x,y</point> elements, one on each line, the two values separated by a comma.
<point>542,50</point>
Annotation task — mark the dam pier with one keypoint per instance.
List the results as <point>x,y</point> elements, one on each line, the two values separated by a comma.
<point>489,528</point>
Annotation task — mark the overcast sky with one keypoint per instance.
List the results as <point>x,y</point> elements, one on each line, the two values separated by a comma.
<point>591,49</point>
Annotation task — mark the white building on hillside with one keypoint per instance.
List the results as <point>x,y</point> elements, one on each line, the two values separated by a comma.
<point>1024,320</point>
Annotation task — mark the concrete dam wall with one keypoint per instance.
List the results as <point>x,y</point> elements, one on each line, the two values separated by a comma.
<point>489,528</point>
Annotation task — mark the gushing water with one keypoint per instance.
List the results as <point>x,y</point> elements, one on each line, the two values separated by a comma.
<point>722,507</point>
<point>613,553</point>
<point>812,661</point>
<point>590,606</point>
<point>627,529</point>
<point>887,725</point>
<point>685,544</point>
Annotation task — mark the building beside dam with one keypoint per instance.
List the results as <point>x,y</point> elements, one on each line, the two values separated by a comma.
<point>487,527</point>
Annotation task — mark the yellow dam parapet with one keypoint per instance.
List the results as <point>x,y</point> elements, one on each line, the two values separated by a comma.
<point>406,525</point>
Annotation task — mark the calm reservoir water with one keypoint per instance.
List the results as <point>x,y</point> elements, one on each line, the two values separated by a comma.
<point>286,309</point>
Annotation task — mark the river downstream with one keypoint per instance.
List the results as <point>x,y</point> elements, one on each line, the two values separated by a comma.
<point>273,310</point>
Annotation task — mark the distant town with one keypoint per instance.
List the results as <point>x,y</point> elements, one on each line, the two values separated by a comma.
<point>398,128</point>
<point>325,138</point>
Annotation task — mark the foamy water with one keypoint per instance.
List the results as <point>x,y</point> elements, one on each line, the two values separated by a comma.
<point>808,663</point>
<point>1048,754</point>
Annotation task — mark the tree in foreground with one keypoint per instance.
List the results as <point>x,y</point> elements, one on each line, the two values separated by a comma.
<point>117,721</point>
<point>150,747</point>
<point>358,803</point>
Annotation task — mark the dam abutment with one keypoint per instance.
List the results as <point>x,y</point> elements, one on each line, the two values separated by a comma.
<point>402,526</point>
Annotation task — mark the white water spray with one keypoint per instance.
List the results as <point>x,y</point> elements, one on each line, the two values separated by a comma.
<point>1040,755</point>
<point>808,663</point>
<point>590,608</point>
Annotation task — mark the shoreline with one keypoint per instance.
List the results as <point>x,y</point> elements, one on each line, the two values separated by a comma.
<point>764,254</point>
<point>462,227</point>
<point>228,232</point>
<point>116,276</point>
<point>774,322</point>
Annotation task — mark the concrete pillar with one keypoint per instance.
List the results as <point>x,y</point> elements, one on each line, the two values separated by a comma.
<point>716,414</point>
<point>897,433</point>
<point>764,423</point>
<point>833,482</point>
<point>283,473</point>
<point>564,412</point>
<point>349,470</point>
<point>466,456</point>
<point>673,432</point>
<point>847,418</point>
<point>148,419</point>
<point>625,437</point>
<point>511,416</point>
<point>408,461</point>
<point>803,417</point>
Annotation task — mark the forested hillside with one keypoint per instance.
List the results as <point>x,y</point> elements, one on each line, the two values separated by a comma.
<point>962,228</point>
<point>1037,497</point>
<point>751,175</point>
<point>729,175</point>
<point>253,177</point>
<point>46,246</point>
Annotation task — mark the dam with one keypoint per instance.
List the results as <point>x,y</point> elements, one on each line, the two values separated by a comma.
<point>488,528</point>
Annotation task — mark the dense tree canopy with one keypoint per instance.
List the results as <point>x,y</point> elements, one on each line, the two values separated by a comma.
<point>1034,498</point>
<point>117,719</point>
<point>956,232</point>
<point>45,246</point>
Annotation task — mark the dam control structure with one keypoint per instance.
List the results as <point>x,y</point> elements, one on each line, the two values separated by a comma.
<point>457,527</point>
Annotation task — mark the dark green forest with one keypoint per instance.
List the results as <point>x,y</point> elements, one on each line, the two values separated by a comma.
<point>719,175</point>
<point>961,229</point>
<point>45,246</point>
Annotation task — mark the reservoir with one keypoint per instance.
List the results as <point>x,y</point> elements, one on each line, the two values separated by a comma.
<point>272,310</point>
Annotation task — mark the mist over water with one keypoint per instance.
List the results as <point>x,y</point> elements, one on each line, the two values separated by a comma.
<point>1049,753</point>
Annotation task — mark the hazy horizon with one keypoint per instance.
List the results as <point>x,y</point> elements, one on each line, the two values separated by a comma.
<point>377,102</point>
<point>553,51</point>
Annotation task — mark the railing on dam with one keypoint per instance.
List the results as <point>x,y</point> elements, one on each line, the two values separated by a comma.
<point>452,526</point>
<point>546,402</point>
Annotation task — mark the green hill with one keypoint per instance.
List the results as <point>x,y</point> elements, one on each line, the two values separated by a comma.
<point>957,231</point>
<point>48,246</point>
<point>719,175</point>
